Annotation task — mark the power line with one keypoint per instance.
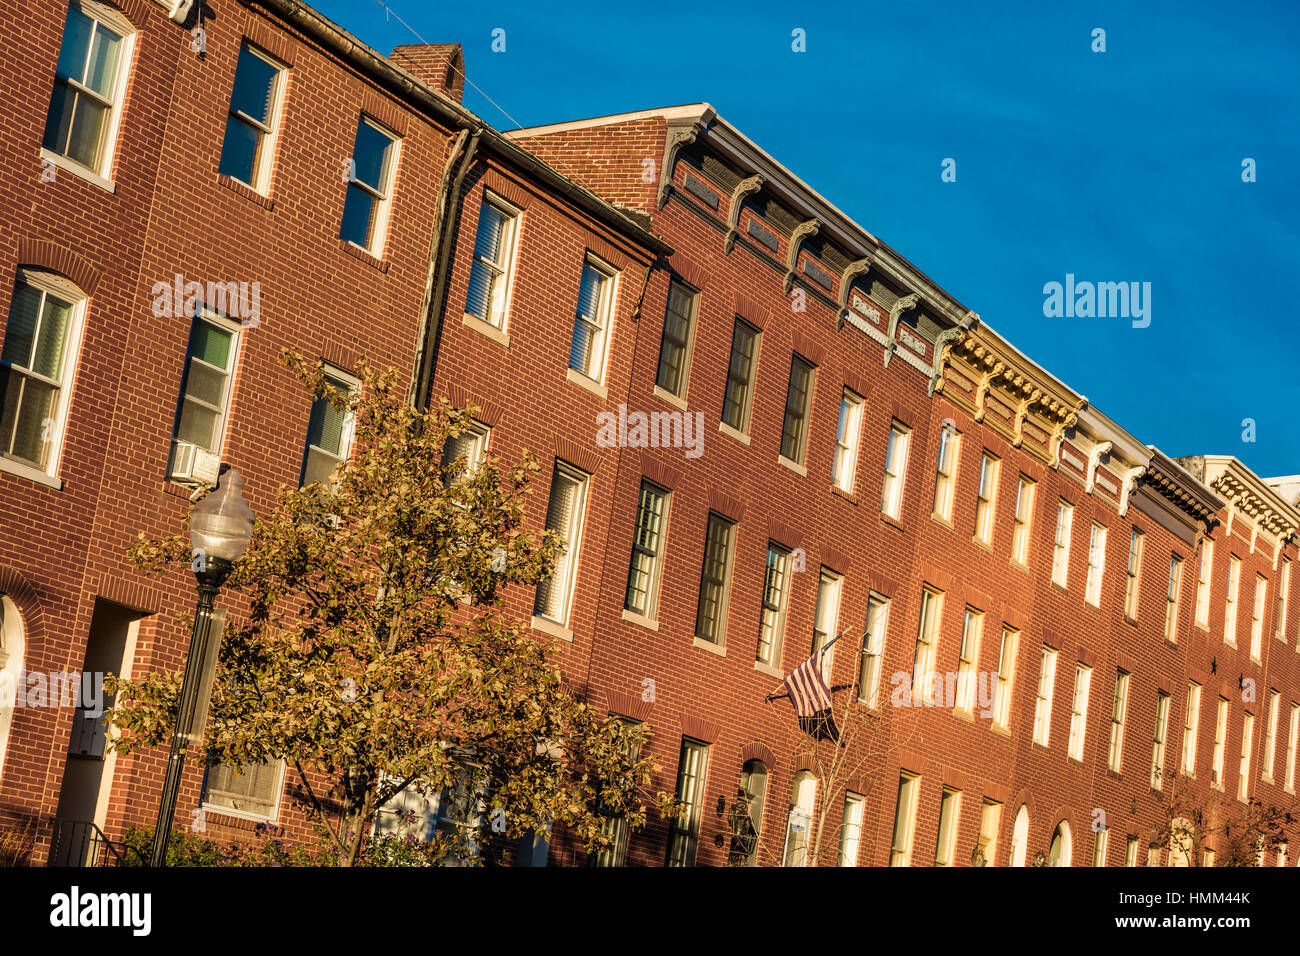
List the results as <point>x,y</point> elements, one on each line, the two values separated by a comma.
<point>390,12</point>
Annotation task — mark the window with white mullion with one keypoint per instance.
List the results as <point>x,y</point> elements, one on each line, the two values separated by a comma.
<point>968,659</point>
<point>329,434</point>
<point>1005,677</point>
<point>847,436</point>
<point>250,123</point>
<point>647,551</point>
<point>1118,717</point>
<point>776,597</point>
<point>1159,740</point>
<point>826,618</point>
<point>489,274</point>
<point>591,322</point>
<point>1043,700</point>
<point>873,649</point>
<point>88,85</point>
<point>564,516</point>
<point>946,472</point>
<point>1079,711</point>
<point>927,635</point>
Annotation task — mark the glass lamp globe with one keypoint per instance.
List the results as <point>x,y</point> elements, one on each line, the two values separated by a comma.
<point>222,523</point>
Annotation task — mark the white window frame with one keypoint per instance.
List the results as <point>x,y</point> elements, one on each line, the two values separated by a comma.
<point>990,823</point>
<point>602,322</point>
<point>1173,597</point>
<point>1061,543</point>
<point>567,564</point>
<point>1247,741</point>
<point>232,380</point>
<point>1133,579</point>
<point>1230,603</point>
<point>272,817</point>
<point>949,821</point>
<point>848,438</point>
<point>986,497</point>
<point>745,405</point>
<point>1220,743</point>
<point>775,604</point>
<point>1270,736</point>
<point>502,272</point>
<point>800,417</point>
<point>479,437</point>
<point>1006,676</point>
<point>1257,617</point>
<point>1025,490</point>
<point>891,496</point>
<point>1283,599</point>
<point>351,384</point>
<point>270,133</point>
<point>927,645</point>
<point>1204,575</point>
<point>968,656</point>
<point>945,478</point>
<point>1079,710</point>
<point>873,649</point>
<point>102,172</point>
<point>1160,740</point>
<point>1292,741</point>
<point>851,828</point>
<point>49,283</point>
<point>1096,564</point>
<point>798,826</point>
<point>826,617</point>
<point>383,195</point>
<point>909,792</point>
<point>1191,728</point>
<point>1044,696</point>
<point>1118,719</point>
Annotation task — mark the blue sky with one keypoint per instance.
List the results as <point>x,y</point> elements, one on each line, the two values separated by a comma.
<point>1117,166</point>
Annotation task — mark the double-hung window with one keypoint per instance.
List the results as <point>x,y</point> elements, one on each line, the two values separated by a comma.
<point>968,660</point>
<point>1283,596</point>
<point>1043,698</point>
<point>1061,543</point>
<point>253,792</point>
<point>1230,605</point>
<point>986,502</point>
<point>89,86</point>
<point>684,831</point>
<point>949,815</point>
<point>1203,584</point>
<point>798,403</point>
<point>715,575</point>
<point>826,618</point>
<point>329,432</point>
<point>251,125</point>
<point>675,346</point>
<point>462,454</point>
<point>927,641</point>
<point>205,399</point>
<point>642,595</point>
<point>592,320</point>
<point>851,829</point>
<point>564,516</point>
<point>37,366</point>
<point>909,790</point>
<point>1257,618</point>
<point>741,366</point>
<point>1191,726</point>
<point>1270,735</point>
<point>891,496</point>
<point>1220,744</point>
<point>1173,597</point>
<point>1079,710</point>
<point>799,823</point>
<point>1158,744</point>
<point>990,823</point>
<point>776,598</point>
<point>1005,677</point>
<point>1133,580</point>
<point>370,187</point>
<point>1292,741</point>
<point>945,478</point>
<point>1118,718</point>
<point>1096,565</point>
<point>1024,521</point>
<point>1247,740</point>
<point>491,267</point>
<point>848,434</point>
<point>873,649</point>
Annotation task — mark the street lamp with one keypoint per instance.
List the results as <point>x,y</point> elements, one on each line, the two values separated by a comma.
<point>220,529</point>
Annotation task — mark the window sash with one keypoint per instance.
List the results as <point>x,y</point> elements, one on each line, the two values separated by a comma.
<point>1024,513</point>
<point>904,820</point>
<point>1293,741</point>
<point>1005,676</point>
<point>564,515</point>
<point>1230,605</point>
<point>1247,739</point>
<point>1133,583</point>
<point>1158,742</point>
<point>692,769</point>
<point>1203,576</point>
<point>873,648</point>
<point>946,472</point>
<point>675,345</point>
<point>591,322</point>
<point>949,814</point>
<point>254,792</point>
<point>1118,717</point>
<point>1043,704</point>
<point>1061,545</point>
<point>798,400</point>
<point>489,275</point>
<point>847,436</point>
<point>1079,710</point>
<point>1220,742</point>
<point>710,618</point>
<point>740,375</point>
<point>1270,733</point>
<point>1173,596</point>
<point>968,659</point>
<point>1191,727</point>
<point>776,595</point>
<point>647,544</point>
<point>926,634</point>
<point>851,829</point>
<point>1096,565</point>
<point>895,471</point>
<point>826,618</point>
<point>988,485</point>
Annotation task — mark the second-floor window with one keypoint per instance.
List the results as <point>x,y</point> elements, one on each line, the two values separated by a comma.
<point>927,640</point>
<point>776,597</point>
<point>1161,735</point>
<point>564,516</point>
<point>873,649</point>
<point>1190,727</point>
<point>592,321</point>
<point>891,496</point>
<point>642,595</point>
<point>968,660</point>
<point>798,402</point>
<point>247,151</point>
<point>1005,677</point>
<point>1220,743</point>
<point>1079,710</point>
<point>490,269</point>
<point>370,187</point>
<point>36,369</point>
<point>711,613</point>
<point>675,346</point>
<point>329,434</point>
<point>89,86</point>
<point>205,399</point>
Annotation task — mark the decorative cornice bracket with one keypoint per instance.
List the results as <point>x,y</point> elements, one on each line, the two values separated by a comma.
<point>743,188</point>
<point>1094,461</point>
<point>801,232</point>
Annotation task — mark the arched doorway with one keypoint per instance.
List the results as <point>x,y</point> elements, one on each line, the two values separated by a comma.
<point>1062,849</point>
<point>11,669</point>
<point>1020,837</point>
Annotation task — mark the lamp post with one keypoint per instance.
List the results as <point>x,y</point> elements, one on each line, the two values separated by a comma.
<point>220,529</point>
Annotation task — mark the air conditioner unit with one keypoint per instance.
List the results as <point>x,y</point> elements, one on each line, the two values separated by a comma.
<point>180,9</point>
<point>192,463</point>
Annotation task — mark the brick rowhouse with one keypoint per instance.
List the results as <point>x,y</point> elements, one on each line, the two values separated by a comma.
<point>692,212</point>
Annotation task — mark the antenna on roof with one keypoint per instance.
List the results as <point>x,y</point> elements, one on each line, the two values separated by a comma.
<point>389,11</point>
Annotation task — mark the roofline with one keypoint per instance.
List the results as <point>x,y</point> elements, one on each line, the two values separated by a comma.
<point>412,89</point>
<point>687,111</point>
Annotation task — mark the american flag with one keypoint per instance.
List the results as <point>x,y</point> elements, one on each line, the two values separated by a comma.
<point>811,697</point>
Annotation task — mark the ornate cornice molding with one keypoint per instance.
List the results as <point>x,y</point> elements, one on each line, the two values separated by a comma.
<point>1128,485</point>
<point>903,304</point>
<point>745,187</point>
<point>678,138</point>
<point>1094,461</point>
<point>854,270</point>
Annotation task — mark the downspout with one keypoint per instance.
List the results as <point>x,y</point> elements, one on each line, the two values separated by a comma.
<point>440,273</point>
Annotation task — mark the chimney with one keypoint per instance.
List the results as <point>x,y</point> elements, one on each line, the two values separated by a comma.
<point>441,65</point>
